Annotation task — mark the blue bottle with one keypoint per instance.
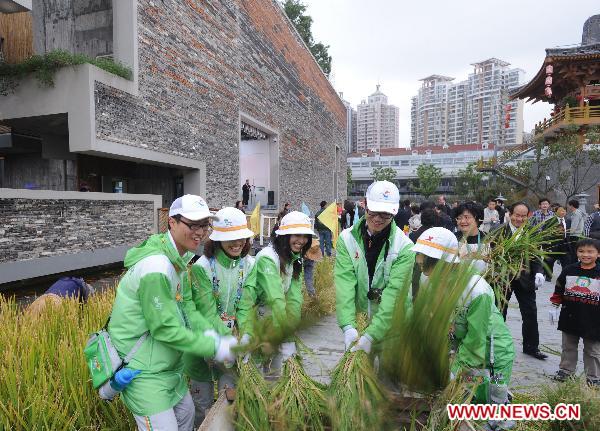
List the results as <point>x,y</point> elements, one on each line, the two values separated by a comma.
<point>117,383</point>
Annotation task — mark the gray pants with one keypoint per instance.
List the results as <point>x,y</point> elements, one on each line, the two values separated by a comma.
<point>591,355</point>
<point>180,417</point>
<point>203,394</point>
<point>309,268</point>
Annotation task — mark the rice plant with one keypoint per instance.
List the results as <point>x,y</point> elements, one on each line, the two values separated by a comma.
<point>44,380</point>
<point>297,401</point>
<point>416,350</point>
<point>324,302</point>
<point>251,399</point>
<point>357,399</point>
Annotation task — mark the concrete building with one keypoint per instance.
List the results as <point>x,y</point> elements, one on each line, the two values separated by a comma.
<point>218,94</point>
<point>472,112</point>
<point>377,123</point>
<point>351,118</point>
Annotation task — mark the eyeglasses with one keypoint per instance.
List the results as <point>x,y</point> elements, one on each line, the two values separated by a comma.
<point>465,218</point>
<point>383,216</point>
<point>195,227</point>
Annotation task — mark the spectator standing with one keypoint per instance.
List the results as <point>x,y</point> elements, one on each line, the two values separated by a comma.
<point>561,242</point>
<point>491,217</point>
<point>578,217</point>
<point>592,224</point>
<point>403,215</point>
<point>524,286</point>
<point>577,310</point>
<point>441,200</point>
<point>414,222</point>
<point>501,209</point>
<point>444,217</point>
<point>246,188</point>
<point>323,232</point>
<point>543,213</point>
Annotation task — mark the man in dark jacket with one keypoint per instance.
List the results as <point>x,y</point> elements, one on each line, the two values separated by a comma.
<point>404,213</point>
<point>524,286</point>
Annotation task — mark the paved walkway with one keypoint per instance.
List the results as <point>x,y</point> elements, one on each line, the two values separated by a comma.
<point>325,340</point>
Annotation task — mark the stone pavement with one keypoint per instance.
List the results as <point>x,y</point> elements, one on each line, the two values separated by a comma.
<point>326,342</point>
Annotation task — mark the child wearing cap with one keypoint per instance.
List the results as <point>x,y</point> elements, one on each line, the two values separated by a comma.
<point>275,280</point>
<point>483,343</point>
<point>217,279</point>
<point>373,261</point>
<point>151,302</point>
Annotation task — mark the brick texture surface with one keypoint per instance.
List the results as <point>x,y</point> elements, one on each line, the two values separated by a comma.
<point>35,228</point>
<point>201,64</point>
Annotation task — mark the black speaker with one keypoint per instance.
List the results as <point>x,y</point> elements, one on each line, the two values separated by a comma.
<point>270,198</point>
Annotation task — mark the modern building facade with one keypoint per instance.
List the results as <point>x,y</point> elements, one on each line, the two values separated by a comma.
<point>351,118</point>
<point>217,95</point>
<point>377,123</point>
<point>476,111</point>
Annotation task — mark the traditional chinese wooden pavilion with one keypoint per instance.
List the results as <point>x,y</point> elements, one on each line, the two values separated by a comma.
<point>569,78</point>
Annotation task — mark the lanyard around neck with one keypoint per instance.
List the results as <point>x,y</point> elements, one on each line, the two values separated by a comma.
<point>216,293</point>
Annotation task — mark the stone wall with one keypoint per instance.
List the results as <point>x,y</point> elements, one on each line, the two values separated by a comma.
<point>201,65</point>
<point>37,228</point>
<point>78,26</point>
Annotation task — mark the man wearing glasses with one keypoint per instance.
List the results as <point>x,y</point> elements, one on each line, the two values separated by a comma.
<point>152,308</point>
<point>374,262</point>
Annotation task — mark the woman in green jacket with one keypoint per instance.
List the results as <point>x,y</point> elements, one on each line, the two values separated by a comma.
<point>275,281</point>
<point>217,279</point>
<point>483,344</point>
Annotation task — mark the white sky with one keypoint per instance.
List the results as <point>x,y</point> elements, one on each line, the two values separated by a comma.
<point>397,42</point>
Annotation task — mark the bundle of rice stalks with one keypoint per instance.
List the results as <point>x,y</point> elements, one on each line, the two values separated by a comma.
<point>416,351</point>
<point>44,379</point>
<point>355,395</point>
<point>297,401</point>
<point>324,302</point>
<point>250,406</point>
<point>509,255</point>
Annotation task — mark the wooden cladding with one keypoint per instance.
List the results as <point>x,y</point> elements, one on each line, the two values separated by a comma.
<point>17,33</point>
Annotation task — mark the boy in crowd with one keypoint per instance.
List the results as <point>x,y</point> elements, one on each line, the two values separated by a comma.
<point>576,301</point>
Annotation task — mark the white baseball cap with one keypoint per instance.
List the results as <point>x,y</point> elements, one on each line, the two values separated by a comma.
<point>439,243</point>
<point>231,225</point>
<point>383,196</point>
<point>295,223</point>
<point>191,207</point>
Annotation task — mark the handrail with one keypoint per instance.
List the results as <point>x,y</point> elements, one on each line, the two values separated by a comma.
<point>568,114</point>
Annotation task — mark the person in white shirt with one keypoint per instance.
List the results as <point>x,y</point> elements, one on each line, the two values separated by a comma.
<point>491,218</point>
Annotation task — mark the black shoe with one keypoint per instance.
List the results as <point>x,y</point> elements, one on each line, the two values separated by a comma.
<point>561,376</point>
<point>536,354</point>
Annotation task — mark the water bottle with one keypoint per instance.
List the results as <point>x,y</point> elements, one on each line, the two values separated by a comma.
<point>117,383</point>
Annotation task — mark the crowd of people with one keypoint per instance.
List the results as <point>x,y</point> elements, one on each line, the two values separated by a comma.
<point>187,321</point>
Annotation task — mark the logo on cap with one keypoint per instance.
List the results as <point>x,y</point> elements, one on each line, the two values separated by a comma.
<point>429,238</point>
<point>386,194</point>
<point>201,203</point>
<point>227,222</point>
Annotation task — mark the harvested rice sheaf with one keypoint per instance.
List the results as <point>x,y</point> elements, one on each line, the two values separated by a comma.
<point>252,394</point>
<point>356,396</point>
<point>297,401</point>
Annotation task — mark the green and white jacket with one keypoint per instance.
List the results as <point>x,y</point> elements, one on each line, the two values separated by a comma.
<point>266,285</point>
<point>151,298</point>
<point>351,277</point>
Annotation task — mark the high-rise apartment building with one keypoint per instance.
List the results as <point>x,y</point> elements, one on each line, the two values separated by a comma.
<point>350,125</point>
<point>472,112</point>
<point>377,123</point>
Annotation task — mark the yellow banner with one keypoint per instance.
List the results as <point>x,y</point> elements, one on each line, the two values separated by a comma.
<point>255,220</point>
<point>329,217</point>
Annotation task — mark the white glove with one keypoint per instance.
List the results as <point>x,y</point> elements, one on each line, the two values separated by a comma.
<point>245,340</point>
<point>553,314</point>
<point>287,350</point>
<point>539,280</point>
<point>224,353</point>
<point>350,336</point>
<point>364,343</point>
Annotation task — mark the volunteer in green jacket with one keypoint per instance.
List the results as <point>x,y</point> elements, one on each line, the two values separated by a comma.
<point>217,281</point>
<point>374,260</point>
<point>275,280</point>
<point>483,343</point>
<point>150,300</point>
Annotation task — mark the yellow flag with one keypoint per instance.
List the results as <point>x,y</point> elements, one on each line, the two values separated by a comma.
<point>255,220</point>
<point>329,217</point>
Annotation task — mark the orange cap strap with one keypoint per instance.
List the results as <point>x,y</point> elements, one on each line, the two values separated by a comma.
<point>230,228</point>
<point>291,226</point>
<point>437,246</point>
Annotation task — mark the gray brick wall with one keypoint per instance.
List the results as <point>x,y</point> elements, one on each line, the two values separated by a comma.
<point>200,66</point>
<point>35,228</point>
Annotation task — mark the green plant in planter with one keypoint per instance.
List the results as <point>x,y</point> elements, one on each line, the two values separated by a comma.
<point>44,67</point>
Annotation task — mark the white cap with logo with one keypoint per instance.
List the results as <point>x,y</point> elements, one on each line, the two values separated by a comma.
<point>295,223</point>
<point>191,207</point>
<point>231,225</point>
<point>383,196</point>
<point>439,243</point>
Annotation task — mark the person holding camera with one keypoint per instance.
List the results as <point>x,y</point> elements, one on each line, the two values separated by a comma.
<point>374,261</point>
